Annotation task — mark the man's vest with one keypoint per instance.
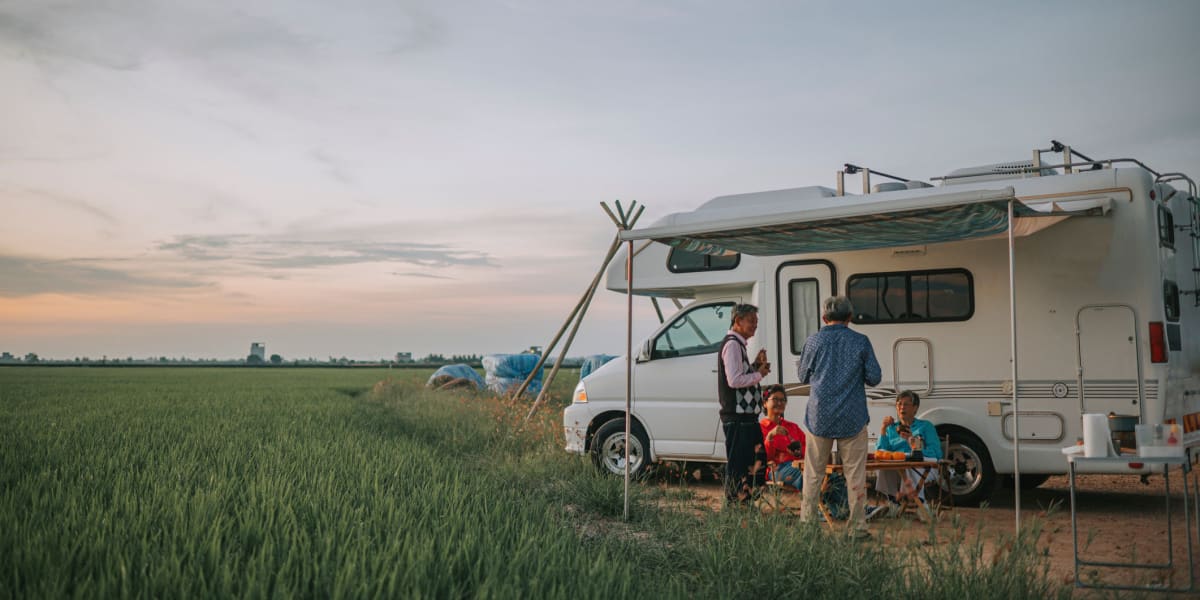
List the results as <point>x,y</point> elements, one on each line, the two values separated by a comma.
<point>737,402</point>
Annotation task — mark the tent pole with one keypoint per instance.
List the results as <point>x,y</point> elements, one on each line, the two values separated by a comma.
<point>576,316</point>
<point>1012,321</point>
<point>566,345</point>
<point>629,366</point>
<point>581,305</point>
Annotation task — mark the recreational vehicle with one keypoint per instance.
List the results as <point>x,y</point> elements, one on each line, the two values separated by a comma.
<point>1086,271</point>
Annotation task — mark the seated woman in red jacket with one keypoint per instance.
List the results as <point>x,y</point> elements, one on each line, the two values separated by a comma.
<point>783,438</point>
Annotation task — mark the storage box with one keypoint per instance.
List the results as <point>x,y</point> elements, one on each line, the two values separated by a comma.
<point>1159,440</point>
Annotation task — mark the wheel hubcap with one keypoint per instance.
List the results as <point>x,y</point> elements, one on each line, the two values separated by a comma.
<point>964,470</point>
<point>612,454</point>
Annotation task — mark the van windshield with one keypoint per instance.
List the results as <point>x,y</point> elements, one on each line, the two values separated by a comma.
<point>697,331</point>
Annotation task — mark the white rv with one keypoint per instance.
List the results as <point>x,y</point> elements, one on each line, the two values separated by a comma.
<point>1105,268</point>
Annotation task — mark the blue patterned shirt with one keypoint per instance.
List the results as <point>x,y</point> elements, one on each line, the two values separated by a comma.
<point>837,362</point>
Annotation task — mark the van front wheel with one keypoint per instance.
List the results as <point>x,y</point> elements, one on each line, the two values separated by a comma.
<point>608,448</point>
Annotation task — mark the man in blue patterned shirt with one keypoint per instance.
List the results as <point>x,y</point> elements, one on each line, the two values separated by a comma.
<point>838,363</point>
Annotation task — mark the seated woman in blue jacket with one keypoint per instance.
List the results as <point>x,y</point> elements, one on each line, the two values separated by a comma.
<point>909,434</point>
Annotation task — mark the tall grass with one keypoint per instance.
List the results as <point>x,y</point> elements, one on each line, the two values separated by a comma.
<point>321,483</point>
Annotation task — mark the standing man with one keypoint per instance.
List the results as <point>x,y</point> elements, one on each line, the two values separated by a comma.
<point>838,363</point>
<point>741,402</point>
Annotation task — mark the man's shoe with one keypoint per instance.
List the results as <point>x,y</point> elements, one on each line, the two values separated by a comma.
<point>875,511</point>
<point>860,535</point>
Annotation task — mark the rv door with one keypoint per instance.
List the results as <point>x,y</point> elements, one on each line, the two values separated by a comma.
<point>800,287</point>
<point>1108,359</point>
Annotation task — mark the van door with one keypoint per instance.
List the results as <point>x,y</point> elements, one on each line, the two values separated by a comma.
<point>1108,355</point>
<point>675,387</point>
<point>800,287</point>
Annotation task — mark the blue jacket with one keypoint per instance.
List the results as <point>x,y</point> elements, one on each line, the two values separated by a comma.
<point>891,440</point>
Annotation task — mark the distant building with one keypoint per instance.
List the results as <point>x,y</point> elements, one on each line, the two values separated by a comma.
<point>258,349</point>
<point>404,357</point>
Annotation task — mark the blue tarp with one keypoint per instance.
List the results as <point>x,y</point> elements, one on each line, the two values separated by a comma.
<point>592,363</point>
<point>459,371</point>
<point>504,372</point>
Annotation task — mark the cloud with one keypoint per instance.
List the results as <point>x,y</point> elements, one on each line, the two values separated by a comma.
<point>66,201</point>
<point>268,253</point>
<point>334,167</point>
<point>28,276</point>
<point>126,34</point>
<point>422,275</point>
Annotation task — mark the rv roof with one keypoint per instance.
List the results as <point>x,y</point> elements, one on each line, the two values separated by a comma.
<point>790,195</point>
<point>839,223</point>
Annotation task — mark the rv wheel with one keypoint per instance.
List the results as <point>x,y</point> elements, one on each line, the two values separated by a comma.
<point>608,448</point>
<point>970,474</point>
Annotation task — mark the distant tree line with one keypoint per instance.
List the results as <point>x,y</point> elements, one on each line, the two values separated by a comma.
<point>475,360</point>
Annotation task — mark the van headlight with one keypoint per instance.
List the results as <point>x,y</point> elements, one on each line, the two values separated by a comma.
<point>580,396</point>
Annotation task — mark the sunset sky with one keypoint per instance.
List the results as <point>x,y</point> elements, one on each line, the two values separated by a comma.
<point>184,177</point>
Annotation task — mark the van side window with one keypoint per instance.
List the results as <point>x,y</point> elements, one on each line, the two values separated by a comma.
<point>1171,300</point>
<point>683,261</point>
<point>912,296</point>
<point>1166,228</point>
<point>698,331</point>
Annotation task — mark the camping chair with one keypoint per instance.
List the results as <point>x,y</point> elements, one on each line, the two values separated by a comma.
<point>773,491</point>
<point>945,499</point>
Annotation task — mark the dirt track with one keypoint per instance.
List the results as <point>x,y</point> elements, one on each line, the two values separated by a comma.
<point>1124,519</point>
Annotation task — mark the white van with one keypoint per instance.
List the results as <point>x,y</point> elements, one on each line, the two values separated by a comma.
<point>1106,265</point>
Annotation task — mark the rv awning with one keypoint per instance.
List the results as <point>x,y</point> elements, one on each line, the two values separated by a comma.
<point>840,223</point>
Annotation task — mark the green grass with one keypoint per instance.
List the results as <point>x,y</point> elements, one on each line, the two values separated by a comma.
<point>321,483</point>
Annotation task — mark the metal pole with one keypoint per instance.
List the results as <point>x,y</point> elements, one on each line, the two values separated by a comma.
<point>1012,320</point>
<point>629,365</point>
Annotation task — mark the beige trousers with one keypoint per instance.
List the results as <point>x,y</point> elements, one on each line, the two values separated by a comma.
<point>853,452</point>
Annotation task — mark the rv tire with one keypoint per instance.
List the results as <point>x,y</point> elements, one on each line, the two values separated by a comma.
<point>608,448</point>
<point>970,474</point>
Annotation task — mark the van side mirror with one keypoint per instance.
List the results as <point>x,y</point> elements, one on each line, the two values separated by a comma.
<point>644,350</point>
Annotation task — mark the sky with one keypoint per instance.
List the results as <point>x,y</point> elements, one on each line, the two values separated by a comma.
<point>183,177</point>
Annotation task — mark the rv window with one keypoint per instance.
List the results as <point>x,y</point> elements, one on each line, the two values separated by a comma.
<point>1166,228</point>
<point>912,296</point>
<point>683,261</point>
<point>697,331</point>
<point>804,310</point>
<point>1171,300</point>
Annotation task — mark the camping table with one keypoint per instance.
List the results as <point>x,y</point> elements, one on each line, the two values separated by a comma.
<point>1136,464</point>
<point>915,502</point>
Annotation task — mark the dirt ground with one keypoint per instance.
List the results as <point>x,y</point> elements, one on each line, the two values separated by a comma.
<point>1119,518</point>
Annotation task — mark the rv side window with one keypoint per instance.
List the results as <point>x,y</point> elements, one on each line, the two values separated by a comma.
<point>1166,228</point>
<point>912,296</point>
<point>697,331</point>
<point>1171,300</point>
<point>683,261</point>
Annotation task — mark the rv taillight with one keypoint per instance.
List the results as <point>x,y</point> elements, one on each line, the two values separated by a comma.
<point>1158,343</point>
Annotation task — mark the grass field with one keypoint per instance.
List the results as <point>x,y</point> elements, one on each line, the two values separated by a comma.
<point>358,483</point>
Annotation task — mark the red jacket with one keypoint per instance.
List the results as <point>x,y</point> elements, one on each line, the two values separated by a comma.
<point>777,447</point>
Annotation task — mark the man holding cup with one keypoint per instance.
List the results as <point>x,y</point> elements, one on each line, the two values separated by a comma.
<point>741,402</point>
